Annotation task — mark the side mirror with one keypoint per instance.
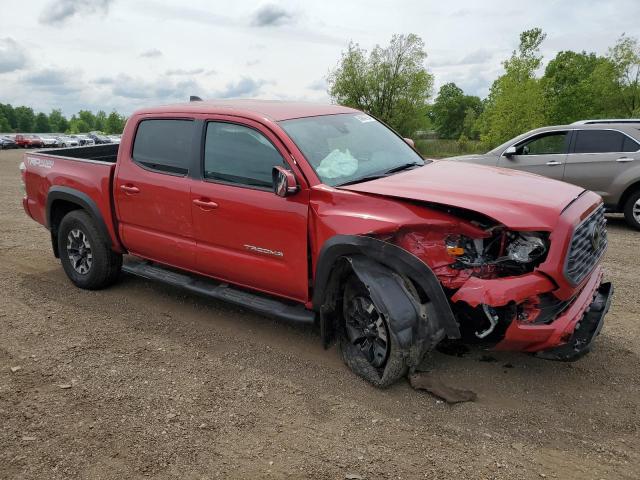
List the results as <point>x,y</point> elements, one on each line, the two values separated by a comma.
<point>410,141</point>
<point>509,152</point>
<point>284,181</point>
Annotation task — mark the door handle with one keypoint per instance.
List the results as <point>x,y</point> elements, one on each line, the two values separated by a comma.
<point>554,163</point>
<point>205,204</point>
<point>129,189</point>
<point>625,159</point>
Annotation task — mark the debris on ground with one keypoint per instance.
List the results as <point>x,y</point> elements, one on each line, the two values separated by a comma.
<point>65,386</point>
<point>432,384</point>
<point>15,369</point>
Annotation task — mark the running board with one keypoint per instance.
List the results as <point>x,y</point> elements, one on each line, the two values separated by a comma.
<point>220,291</point>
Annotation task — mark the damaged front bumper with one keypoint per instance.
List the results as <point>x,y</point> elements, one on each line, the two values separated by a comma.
<point>566,335</point>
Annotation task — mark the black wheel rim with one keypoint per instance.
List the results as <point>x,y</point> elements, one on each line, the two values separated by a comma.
<point>79,251</point>
<point>366,330</point>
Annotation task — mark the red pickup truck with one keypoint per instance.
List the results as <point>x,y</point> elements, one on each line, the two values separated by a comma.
<point>321,213</point>
<point>29,141</point>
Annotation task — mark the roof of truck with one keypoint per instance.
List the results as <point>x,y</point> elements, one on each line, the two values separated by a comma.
<point>275,110</point>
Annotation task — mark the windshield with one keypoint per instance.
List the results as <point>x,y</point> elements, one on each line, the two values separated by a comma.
<point>351,146</point>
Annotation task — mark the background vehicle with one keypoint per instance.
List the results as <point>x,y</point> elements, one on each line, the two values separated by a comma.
<point>29,141</point>
<point>604,158</point>
<point>320,213</point>
<point>114,138</point>
<point>67,141</point>
<point>7,142</point>
<point>49,141</point>
<point>83,140</point>
<point>99,138</point>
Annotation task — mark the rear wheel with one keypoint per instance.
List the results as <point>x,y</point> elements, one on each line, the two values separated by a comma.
<point>366,344</point>
<point>87,260</point>
<point>632,210</point>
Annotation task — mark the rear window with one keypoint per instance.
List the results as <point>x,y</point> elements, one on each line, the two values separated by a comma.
<point>598,141</point>
<point>630,145</point>
<point>164,145</point>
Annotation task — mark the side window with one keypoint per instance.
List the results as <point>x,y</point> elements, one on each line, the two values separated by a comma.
<point>630,145</point>
<point>598,141</point>
<point>545,144</point>
<point>238,154</point>
<point>164,145</point>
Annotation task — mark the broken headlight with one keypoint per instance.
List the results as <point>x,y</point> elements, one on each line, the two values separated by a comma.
<point>526,247</point>
<point>503,247</point>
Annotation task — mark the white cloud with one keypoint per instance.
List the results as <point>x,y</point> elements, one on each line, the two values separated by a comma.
<point>59,11</point>
<point>12,56</point>
<point>152,53</point>
<point>271,15</point>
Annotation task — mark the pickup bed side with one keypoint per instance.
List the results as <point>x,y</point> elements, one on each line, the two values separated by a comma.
<point>60,181</point>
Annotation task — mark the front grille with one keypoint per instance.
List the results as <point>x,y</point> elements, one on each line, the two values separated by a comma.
<point>588,243</point>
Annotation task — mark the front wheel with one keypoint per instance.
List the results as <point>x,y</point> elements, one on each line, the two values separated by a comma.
<point>632,210</point>
<point>86,259</point>
<point>366,344</point>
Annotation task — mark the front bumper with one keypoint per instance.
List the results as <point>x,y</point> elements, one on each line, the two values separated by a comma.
<point>586,330</point>
<point>591,305</point>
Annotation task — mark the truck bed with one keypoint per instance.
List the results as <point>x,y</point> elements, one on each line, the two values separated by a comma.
<point>102,153</point>
<point>85,172</point>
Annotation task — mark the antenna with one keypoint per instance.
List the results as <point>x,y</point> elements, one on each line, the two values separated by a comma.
<point>194,98</point>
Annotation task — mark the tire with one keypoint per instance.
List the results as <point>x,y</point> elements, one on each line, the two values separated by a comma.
<point>381,374</point>
<point>632,210</point>
<point>95,265</point>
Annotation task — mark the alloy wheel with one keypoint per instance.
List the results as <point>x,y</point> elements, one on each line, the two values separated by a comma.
<point>79,251</point>
<point>366,330</point>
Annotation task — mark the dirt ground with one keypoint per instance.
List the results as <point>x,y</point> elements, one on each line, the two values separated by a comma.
<point>142,380</point>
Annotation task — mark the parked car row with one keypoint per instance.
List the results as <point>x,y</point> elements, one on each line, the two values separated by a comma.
<point>23,140</point>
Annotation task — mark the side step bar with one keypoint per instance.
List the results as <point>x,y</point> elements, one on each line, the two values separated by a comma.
<point>220,291</point>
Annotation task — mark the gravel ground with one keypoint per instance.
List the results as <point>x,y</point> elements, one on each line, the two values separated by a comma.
<point>143,380</point>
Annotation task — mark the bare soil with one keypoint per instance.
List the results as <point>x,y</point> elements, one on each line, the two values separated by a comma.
<point>143,380</point>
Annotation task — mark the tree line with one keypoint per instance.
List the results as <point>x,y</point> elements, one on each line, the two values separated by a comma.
<point>24,120</point>
<point>393,84</point>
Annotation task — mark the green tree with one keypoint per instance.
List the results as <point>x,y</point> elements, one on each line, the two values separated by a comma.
<point>450,109</point>
<point>625,56</point>
<point>8,112</point>
<point>579,86</point>
<point>41,124</point>
<point>5,126</point>
<point>390,83</point>
<point>58,122</point>
<point>114,124</point>
<point>25,119</point>
<point>516,102</point>
<point>88,118</point>
<point>77,125</point>
<point>100,120</point>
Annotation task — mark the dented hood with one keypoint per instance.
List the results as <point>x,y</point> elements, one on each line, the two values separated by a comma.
<point>519,200</point>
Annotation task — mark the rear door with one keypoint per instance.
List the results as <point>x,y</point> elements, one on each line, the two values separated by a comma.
<point>543,154</point>
<point>597,157</point>
<point>245,233</point>
<point>152,191</point>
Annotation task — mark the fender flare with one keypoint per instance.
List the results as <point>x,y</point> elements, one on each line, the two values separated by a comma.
<point>83,201</point>
<point>395,259</point>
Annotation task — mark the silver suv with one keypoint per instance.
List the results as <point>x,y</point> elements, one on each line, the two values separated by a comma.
<point>604,158</point>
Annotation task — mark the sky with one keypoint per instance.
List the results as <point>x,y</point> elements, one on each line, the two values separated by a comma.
<point>126,54</point>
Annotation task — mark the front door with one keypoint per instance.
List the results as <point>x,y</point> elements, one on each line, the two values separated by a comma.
<point>244,233</point>
<point>597,158</point>
<point>544,154</point>
<point>152,192</point>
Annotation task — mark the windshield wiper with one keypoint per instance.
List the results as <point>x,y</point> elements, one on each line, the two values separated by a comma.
<point>404,166</point>
<point>386,173</point>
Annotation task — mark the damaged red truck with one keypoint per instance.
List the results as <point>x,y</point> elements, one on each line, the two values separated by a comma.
<point>322,214</point>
